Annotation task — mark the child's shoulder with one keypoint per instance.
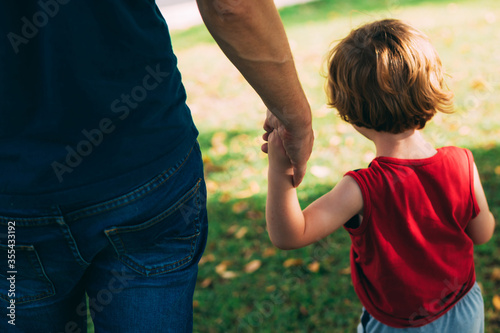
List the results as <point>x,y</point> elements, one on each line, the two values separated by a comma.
<point>456,152</point>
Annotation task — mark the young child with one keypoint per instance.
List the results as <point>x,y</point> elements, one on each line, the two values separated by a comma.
<point>415,213</point>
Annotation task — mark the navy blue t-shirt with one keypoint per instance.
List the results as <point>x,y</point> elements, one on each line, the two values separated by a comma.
<point>91,100</point>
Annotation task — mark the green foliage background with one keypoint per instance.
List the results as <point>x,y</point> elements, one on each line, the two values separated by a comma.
<point>315,294</point>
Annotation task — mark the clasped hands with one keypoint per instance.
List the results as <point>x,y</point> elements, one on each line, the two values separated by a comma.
<point>290,147</point>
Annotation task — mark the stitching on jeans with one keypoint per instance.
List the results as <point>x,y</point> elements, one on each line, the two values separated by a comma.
<point>187,196</point>
<point>156,219</point>
<point>43,278</point>
<point>28,222</point>
<point>70,240</point>
<point>134,195</point>
<point>116,241</point>
<point>161,269</point>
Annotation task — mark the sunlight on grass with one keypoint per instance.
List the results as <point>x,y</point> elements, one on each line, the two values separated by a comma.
<point>314,293</point>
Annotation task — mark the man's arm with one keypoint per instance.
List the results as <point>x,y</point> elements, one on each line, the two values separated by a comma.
<point>252,36</point>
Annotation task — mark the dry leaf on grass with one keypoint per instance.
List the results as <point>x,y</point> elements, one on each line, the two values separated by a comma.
<point>255,215</point>
<point>222,267</point>
<point>206,283</point>
<point>207,258</point>
<point>240,207</point>
<point>252,266</point>
<point>345,271</point>
<point>496,302</point>
<point>241,233</point>
<point>303,311</point>
<point>229,275</point>
<point>313,267</point>
<point>232,229</point>
<point>270,289</point>
<point>292,262</point>
<point>269,252</point>
<point>495,274</point>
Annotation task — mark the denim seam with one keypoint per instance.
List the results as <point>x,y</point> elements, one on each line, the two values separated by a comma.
<point>28,222</point>
<point>162,269</point>
<point>112,234</point>
<point>72,244</point>
<point>129,197</point>
<point>162,215</point>
<point>50,291</point>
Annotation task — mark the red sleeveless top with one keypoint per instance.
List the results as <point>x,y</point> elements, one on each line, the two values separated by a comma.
<point>411,259</point>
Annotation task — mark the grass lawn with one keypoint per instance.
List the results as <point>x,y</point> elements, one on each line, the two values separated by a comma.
<point>245,284</point>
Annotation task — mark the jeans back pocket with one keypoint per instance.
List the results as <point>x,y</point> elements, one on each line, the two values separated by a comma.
<point>164,243</point>
<point>22,277</point>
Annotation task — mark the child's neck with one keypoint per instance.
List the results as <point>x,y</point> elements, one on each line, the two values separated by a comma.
<point>407,145</point>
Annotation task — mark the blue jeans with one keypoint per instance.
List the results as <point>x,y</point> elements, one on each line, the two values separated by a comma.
<point>136,256</point>
<point>466,316</point>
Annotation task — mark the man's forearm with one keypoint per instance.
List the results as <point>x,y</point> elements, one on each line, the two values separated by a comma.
<point>252,36</point>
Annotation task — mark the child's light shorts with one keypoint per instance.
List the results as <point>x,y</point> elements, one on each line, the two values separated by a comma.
<point>467,316</point>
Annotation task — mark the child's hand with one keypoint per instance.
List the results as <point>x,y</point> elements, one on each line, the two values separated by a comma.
<point>279,162</point>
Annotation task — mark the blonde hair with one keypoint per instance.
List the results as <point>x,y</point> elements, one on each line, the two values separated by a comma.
<point>387,76</point>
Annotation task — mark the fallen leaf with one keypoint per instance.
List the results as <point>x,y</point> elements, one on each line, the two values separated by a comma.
<point>196,304</point>
<point>496,302</point>
<point>222,267</point>
<point>241,233</point>
<point>240,207</point>
<point>225,197</point>
<point>207,258</point>
<point>232,229</point>
<point>255,215</point>
<point>313,267</point>
<point>303,311</point>
<point>229,275</point>
<point>212,186</point>
<point>269,252</point>
<point>495,274</point>
<point>345,271</point>
<point>497,170</point>
<point>206,283</point>
<point>252,266</point>
<point>270,289</point>
<point>292,262</point>
<point>259,229</point>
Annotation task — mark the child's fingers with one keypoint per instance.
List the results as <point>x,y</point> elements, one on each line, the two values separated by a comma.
<point>275,145</point>
<point>265,148</point>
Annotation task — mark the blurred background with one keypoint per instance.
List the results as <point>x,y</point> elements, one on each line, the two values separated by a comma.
<point>245,284</point>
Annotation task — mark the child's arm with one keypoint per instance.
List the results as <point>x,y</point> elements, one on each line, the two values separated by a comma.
<point>289,227</point>
<point>480,228</point>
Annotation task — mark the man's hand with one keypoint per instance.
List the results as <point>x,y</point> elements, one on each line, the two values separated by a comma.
<point>252,36</point>
<point>298,145</point>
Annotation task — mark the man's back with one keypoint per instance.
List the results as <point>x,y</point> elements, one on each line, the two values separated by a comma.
<point>91,98</point>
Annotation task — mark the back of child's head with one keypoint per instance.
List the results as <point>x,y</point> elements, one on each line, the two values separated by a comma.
<point>387,76</point>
